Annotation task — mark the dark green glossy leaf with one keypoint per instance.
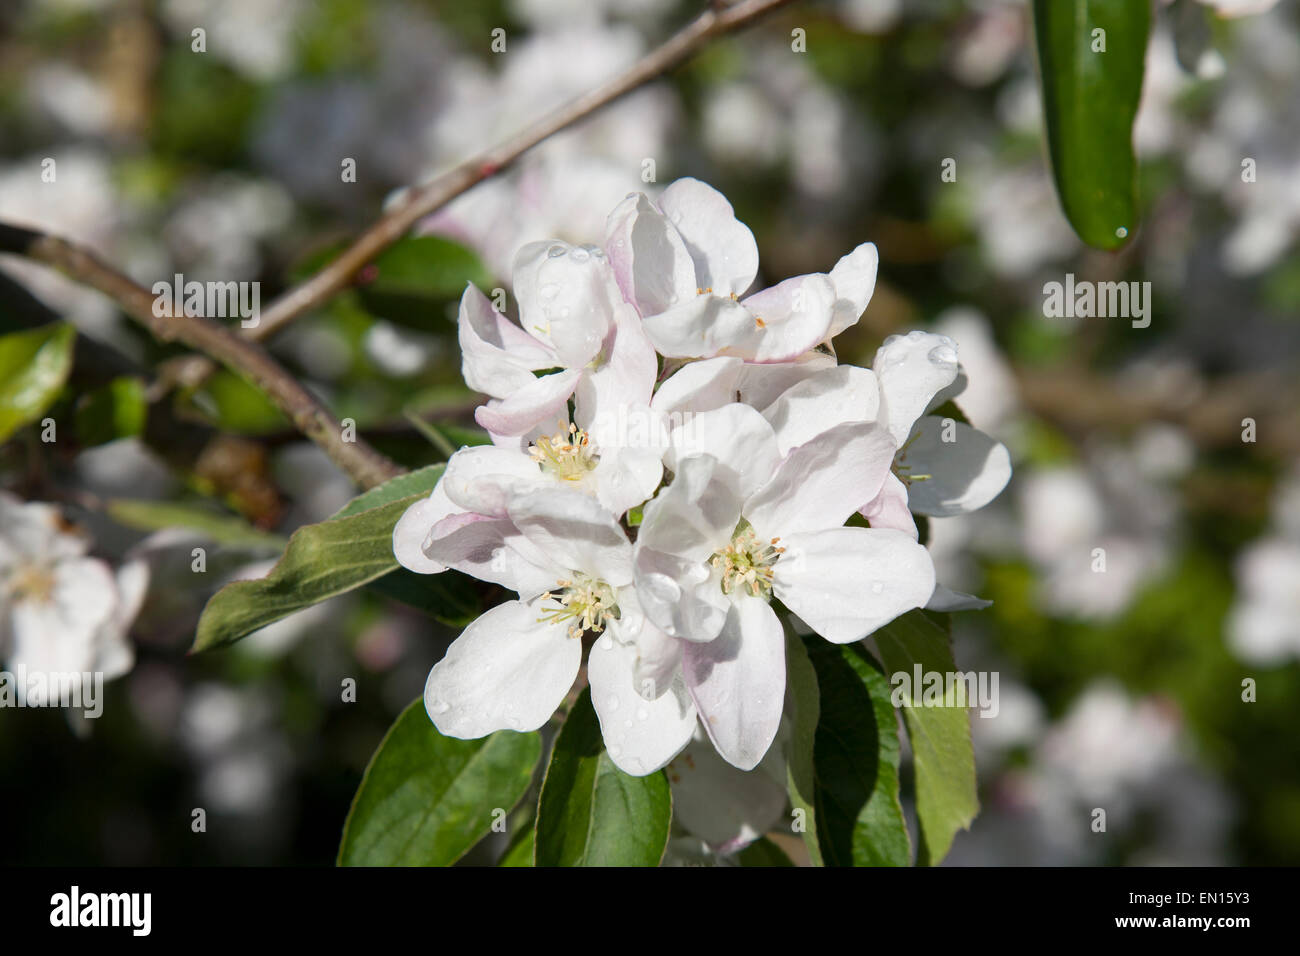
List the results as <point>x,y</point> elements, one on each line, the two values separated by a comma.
<point>1091,55</point>
<point>591,813</point>
<point>942,756</point>
<point>803,704</point>
<point>763,852</point>
<point>34,364</point>
<point>859,818</point>
<point>426,799</point>
<point>118,410</point>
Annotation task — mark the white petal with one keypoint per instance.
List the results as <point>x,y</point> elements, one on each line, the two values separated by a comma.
<point>576,532</point>
<point>413,527</point>
<point>912,369</point>
<point>842,394</point>
<point>823,481</point>
<point>889,508</point>
<point>508,670</point>
<point>854,277</point>
<point>723,248</point>
<point>492,549</point>
<point>737,436</point>
<point>650,260</point>
<point>702,326</point>
<point>700,386</point>
<point>59,635</point>
<point>965,474</point>
<point>761,385</point>
<point>641,735</point>
<point>625,376</point>
<point>695,515</point>
<point>681,596</point>
<point>846,582</point>
<point>497,357</point>
<point>724,806</point>
<point>789,319</point>
<point>566,298</point>
<point>738,681</point>
<point>543,400</point>
<point>486,478</point>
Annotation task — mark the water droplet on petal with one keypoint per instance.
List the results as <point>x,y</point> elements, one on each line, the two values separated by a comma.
<point>615,750</point>
<point>556,251</point>
<point>877,587</point>
<point>943,355</point>
<point>642,713</point>
<point>580,255</point>
<point>613,703</point>
<point>440,706</point>
<point>549,291</point>
<point>606,643</point>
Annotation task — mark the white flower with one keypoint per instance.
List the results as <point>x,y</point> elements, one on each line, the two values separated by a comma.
<point>731,533</point>
<point>571,564</point>
<point>685,261</point>
<point>1264,623</point>
<point>61,611</point>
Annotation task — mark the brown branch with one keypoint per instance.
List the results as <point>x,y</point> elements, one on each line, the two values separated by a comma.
<point>365,465</point>
<point>721,19</point>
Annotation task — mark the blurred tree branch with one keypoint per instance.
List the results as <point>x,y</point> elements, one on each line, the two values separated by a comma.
<point>361,462</point>
<point>721,18</point>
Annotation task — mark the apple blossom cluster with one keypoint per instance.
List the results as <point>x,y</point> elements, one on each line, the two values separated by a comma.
<point>677,470</point>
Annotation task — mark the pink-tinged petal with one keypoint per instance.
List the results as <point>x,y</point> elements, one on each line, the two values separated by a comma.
<point>725,807</point>
<point>889,508</point>
<point>566,298</point>
<point>823,481</point>
<point>854,278</point>
<point>836,396</point>
<point>737,436</point>
<point>485,478</point>
<point>789,319</point>
<point>509,670</point>
<point>625,376</point>
<point>640,735</point>
<point>846,582</point>
<point>650,260</point>
<point>413,527</point>
<point>722,247</point>
<point>699,387</point>
<point>658,658</point>
<point>497,357</point>
<point>702,327</point>
<point>738,681</point>
<point>912,369</point>
<point>542,401</point>
<point>695,515</point>
<point>761,385</point>
<point>576,532</point>
<point>492,549</point>
<point>965,473</point>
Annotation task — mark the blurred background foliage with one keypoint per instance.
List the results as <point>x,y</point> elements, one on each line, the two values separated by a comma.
<point>1121,689</point>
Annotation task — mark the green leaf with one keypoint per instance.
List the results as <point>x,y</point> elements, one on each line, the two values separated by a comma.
<point>426,799</point>
<point>118,410</point>
<point>1090,100</point>
<point>763,852</point>
<point>351,549</point>
<point>414,276</point>
<point>803,703</point>
<point>221,527</point>
<point>520,851</point>
<point>34,364</point>
<point>590,813</point>
<point>449,597</point>
<point>941,746</point>
<point>859,818</point>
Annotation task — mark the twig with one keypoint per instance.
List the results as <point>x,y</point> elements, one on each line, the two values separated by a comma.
<point>365,465</point>
<point>721,19</point>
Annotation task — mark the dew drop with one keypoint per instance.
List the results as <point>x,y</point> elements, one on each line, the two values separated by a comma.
<point>943,355</point>
<point>440,707</point>
<point>615,750</point>
<point>628,722</point>
<point>555,251</point>
<point>877,587</point>
<point>581,255</point>
<point>606,643</point>
<point>549,291</point>
<point>642,713</point>
<point>613,703</point>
